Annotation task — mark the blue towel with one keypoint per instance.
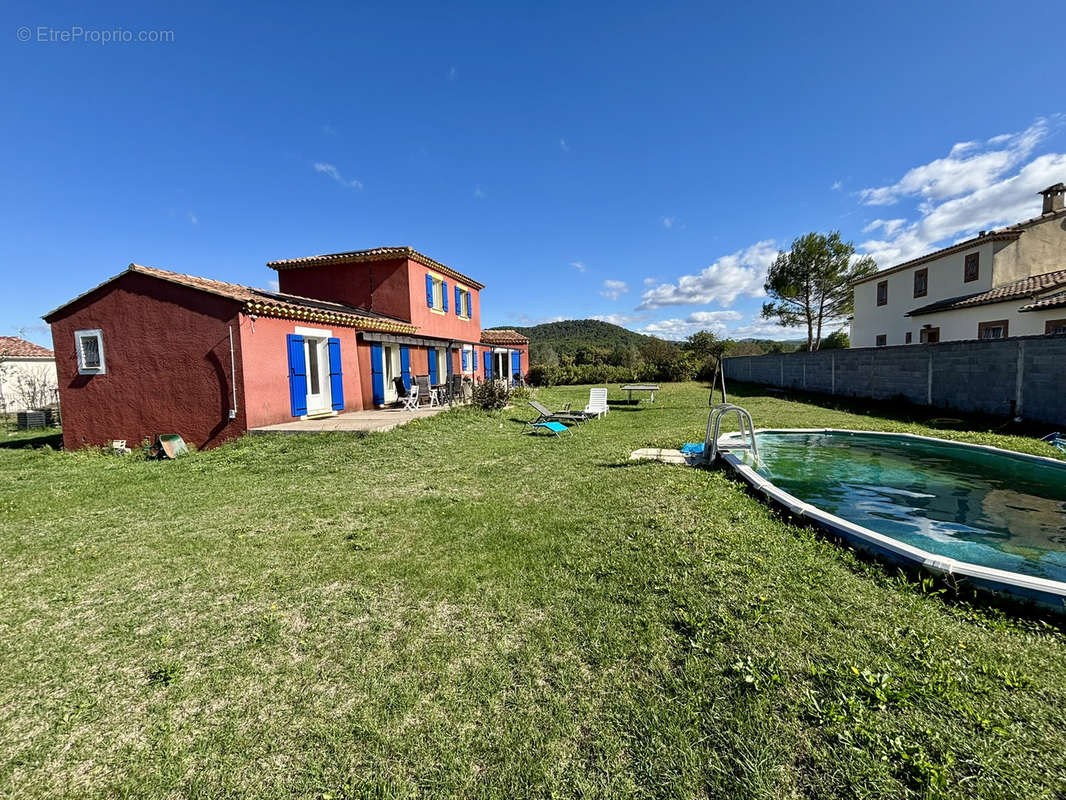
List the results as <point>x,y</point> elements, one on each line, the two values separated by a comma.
<point>692,448</point>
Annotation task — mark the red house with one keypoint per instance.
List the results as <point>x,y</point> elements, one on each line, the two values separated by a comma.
<point>151,351</point>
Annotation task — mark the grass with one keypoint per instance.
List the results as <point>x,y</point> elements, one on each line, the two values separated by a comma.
<point>455,609</point>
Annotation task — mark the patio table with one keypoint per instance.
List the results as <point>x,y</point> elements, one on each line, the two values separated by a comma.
<point>652,388</point>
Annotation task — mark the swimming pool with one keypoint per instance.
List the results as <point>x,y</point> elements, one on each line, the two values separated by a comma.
<point>991,516</point>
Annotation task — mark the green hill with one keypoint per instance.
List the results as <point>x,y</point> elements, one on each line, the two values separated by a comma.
<point>567,337</point>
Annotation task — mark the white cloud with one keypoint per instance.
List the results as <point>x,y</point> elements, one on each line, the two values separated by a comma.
<point>333,172</point>
<point>1011,199</point>
<point>274,286</point>
<point>620,319</point>
<point>650,281</point>
<point>766,329</point>
<point>195,220</point>
<point>679,328</point>
<point>612,290</point>
<point>889,226</point>
<point>479,193</point>
<point>579,266</point>
<point>742,272</point>
<point>564,146</point>
<point>966,168</point>
<point>669,222</point>
<point>837,186</point>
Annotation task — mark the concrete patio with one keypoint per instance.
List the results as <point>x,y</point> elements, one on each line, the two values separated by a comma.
<point>352,422</point>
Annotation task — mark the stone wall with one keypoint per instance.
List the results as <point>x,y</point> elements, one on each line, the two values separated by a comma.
<point>1023,376</point>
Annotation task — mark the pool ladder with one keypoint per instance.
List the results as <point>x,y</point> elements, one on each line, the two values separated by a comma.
<point>714,423</point>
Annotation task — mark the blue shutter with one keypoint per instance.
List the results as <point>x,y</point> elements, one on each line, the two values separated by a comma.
<point>432,351</point>
<point>458,302</point>
<point>488,365</point>
<point>429,291</point>
<point>516,362</point>
<point>336,379</point>
<point>463,351</point>
<point>297,375</point>
<point>405,366</point>
<point>470,302</point>
<point>377,375</point>
<point>444,295</point>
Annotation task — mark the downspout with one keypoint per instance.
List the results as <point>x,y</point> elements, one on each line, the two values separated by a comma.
<point>232,375</point>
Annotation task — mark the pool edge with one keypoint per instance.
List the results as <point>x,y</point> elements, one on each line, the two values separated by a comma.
<point>1044,592</point>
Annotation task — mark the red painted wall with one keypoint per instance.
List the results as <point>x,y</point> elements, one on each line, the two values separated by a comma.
<point>444,325</point>
<point>166,351</point>
<point>379,286</point>
<point>266,368</point>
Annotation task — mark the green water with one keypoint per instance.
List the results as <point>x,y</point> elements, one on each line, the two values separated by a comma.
<point>985,508</point>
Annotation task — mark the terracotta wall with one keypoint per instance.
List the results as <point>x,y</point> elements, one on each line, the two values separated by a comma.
<point>442,325</point>
<point>266,368</point>
<point>380,286</point>
<point>167,355</point>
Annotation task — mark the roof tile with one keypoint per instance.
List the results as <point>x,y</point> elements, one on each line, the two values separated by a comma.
<point>14,347</point>
<point>374,254</point>
<point>1025,287</point>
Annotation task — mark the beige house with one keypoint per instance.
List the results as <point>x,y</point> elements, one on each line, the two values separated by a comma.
<point>27,375</point>
<point>1007,282</point>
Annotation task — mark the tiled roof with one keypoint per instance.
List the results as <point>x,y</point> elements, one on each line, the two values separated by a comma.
<point>1025,287</point>
<point>374,254</point>
<point>271,304</point>
<point>503,337</point>
<point>1003,234</point>
<point>15,347</point>
<point>1051,301</point>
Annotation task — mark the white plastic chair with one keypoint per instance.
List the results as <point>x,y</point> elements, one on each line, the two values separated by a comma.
<point>410,403</point>
<point>597,402</point>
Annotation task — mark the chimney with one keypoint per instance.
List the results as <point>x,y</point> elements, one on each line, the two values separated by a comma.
<point>1053,198</point>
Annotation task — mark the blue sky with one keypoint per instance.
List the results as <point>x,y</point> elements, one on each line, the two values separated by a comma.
<point>636,162</point>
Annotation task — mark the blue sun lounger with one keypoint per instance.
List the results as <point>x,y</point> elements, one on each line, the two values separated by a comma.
<point>553,427</point>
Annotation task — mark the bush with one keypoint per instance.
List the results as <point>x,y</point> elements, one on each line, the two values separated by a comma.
<point>490,395</point>
<point>540,374</point>
<point>522,393</point>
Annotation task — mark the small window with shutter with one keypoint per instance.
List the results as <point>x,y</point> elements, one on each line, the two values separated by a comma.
<point>89,345</point>
<point>882,293</point>
<point>882,339</point>
<point>972,270</point>
<point>921,282</point>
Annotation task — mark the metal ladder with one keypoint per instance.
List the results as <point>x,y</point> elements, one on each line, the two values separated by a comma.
<point>714,423</point>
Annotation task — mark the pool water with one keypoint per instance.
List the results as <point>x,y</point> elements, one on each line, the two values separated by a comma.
<point>972,505</point>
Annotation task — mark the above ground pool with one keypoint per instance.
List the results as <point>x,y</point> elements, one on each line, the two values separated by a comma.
<point>991,516</point>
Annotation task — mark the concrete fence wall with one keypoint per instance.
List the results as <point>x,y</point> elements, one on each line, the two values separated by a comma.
<point>1023,376</point>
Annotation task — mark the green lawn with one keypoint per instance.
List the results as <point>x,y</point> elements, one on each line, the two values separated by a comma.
<point>455,609</point>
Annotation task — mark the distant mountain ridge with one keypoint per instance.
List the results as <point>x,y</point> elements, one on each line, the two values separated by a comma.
<point>568,336</point>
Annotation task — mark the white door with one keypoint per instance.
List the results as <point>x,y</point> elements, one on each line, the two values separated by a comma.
<point>503,366</point>
<point>316,353</point>
<point>390,370</point>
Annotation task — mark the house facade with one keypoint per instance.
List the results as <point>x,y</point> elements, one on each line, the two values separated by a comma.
<point>27,375</point>
<point>152,351</point>
<point>1006,282</point>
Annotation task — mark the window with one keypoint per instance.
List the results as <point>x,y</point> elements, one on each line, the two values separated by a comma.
<point>929,335</point>
<point>882,340</point>
<point>921,282</point>
<point>1055,327</point>
<point>907,338</point>
<point>972,268</point>
<point>462,302</point>
<point>90,348</point>
<point>436,293</point>
<point>992,330</point>
<point>882,293</point>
